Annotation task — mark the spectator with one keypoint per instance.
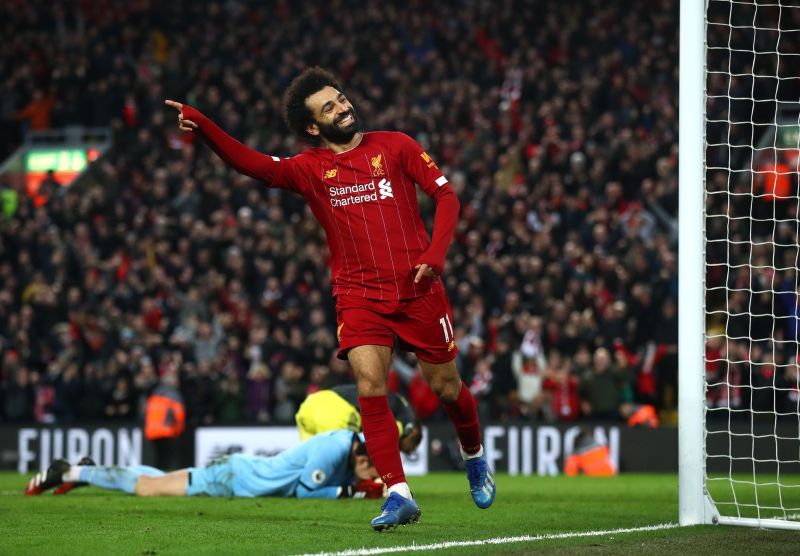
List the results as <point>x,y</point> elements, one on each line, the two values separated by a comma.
<point>290,391</point>
<point>200,392</point>
<point>603,389</point>
<point>18,397</point>
<point>231,401</point>
<point>561,389</point>
<point>121,404</point>
<point>528,367</point>
<point>67,394</point>
<point>665,355</point>
<point>258,393</point>
<point>92,406</point>
<point>481,387</point>
<point>36,114</point>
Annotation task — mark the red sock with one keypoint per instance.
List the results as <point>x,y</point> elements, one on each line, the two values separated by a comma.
<point>380,431</point>
<point>464,416</point>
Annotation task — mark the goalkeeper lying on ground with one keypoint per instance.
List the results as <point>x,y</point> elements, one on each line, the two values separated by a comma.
<point>330,465</point>
<point>337,408</point>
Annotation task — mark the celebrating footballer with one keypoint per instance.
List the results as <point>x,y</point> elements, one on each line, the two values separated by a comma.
<point>385,269</point>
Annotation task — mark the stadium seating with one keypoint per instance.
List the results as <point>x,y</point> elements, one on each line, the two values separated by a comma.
<point>560,139</point>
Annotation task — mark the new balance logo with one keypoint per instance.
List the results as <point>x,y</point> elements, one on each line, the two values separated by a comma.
<point>385,187</point>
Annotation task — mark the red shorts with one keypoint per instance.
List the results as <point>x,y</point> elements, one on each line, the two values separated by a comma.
<point>424,325</point>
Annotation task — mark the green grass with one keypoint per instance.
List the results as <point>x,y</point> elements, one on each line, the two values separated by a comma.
<point>763,496</point>
<point>92,521</point>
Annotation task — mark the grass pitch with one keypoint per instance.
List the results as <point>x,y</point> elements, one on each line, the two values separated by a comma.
<point>93,521</point>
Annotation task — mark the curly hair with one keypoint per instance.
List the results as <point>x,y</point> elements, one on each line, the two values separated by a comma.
<point>295,111</point>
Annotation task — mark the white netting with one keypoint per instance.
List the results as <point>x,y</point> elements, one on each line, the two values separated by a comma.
<point>752,251</point>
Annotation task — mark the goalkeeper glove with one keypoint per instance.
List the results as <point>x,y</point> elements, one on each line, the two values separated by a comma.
<point>363,489</point>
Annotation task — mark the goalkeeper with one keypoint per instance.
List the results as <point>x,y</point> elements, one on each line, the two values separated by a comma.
<point>337,408</point>
<point>330,465</point>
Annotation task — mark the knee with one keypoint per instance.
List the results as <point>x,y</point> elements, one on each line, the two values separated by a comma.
<point>447,388</point>
<point>370,365</point>
<point>370,384</point>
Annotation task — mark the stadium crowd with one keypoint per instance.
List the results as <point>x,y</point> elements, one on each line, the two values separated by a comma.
<point>556,122</point>
<point>752,210</point>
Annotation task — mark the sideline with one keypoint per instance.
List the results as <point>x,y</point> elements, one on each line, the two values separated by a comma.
<point>493,541</point>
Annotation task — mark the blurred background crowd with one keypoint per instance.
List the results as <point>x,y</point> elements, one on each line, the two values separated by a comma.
<point>556,122</point>
<point>752,211</point>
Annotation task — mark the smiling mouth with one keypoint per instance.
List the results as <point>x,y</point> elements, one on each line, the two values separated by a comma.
<point>347,119</point>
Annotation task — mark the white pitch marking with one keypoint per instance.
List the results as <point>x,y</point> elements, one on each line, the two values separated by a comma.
<point>788,517</point>
<point>496,540</point>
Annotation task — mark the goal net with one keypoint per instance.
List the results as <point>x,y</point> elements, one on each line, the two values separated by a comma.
<point>751,259</point>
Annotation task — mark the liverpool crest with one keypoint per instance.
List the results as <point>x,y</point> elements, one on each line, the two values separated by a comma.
<point>377,166</point>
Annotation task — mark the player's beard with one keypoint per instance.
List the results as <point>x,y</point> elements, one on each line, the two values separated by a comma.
<point>336,134</point>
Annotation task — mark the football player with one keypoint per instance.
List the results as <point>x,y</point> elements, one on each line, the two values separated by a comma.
<point>338,408</point>
<point>330,465</point>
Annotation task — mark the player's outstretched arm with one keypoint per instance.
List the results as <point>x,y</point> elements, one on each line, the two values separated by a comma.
<point>239,156</point>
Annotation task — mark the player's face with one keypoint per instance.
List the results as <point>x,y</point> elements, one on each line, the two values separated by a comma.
<point>334,116</point>
<point>363,469</point>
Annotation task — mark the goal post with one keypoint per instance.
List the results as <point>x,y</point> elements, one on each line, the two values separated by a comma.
<point>694,508</point>
<point>739,263</point>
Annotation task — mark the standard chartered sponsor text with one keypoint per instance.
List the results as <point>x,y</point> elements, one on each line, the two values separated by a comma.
<point>347,195</point>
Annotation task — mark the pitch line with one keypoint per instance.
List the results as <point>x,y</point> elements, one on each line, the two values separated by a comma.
<point>496,540</point>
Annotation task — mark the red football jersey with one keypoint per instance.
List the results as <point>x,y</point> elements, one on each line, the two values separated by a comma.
<point>365,199</point>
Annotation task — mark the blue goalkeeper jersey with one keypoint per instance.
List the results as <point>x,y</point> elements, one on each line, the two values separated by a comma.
<point>315,468</point>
